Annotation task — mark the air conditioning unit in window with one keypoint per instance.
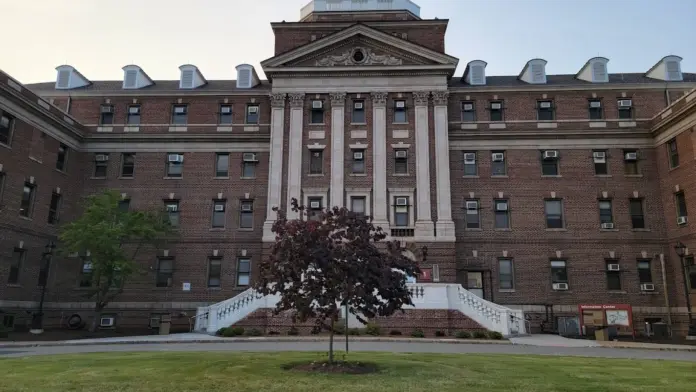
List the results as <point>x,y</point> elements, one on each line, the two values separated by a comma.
<point>253,109</point>
<point>613,267</point>
<point>134,110</point>
<point>358,105</point>
<point>501,206</point>
<point>358,156</point>
<point>560,286</point>
<point>498,157</point>
<point>550,154</point>
<point>175,158</point>
<point>472,205</point>
<point>180,109</point>
<point>608,225</point>
<point>681,220</point>
<point>401,154</point>
<point>468,107</point>
<point>625,103</point>
<point>246,206</point>
<point>317,105</point>
<point>249,157</point>
<point>470,157</point>
<point>226,109</point>
<point>631,156</point>
<point>599,156</point>
<point>101,157</point>
<point>314,204</point>
<point>401,201</point>
<point>400,104</point>
<point>219,207</point>
<point>496,105</point>
<point>106,322</point>
<point>172,207</point>
<point>545,105</point>
<point>647,287</point>
<point>107,109</point>
<point>595,104</point>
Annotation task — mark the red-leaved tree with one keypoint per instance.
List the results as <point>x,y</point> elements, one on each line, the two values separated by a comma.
<point>332,260</point>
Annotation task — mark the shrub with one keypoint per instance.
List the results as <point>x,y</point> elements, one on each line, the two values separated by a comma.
<point>354,332</point>
<point>339,328</point>
<point>293,332</point>
<point>229,333</point>
<point>272,333</point>
<point>440,333</point>
<point>238,331</point>
<point>221,331</point>
<point>372,329</point>
<point>463,335</point>
<point>480,335</point>
<point>254,332</point>
<point>495,335</point>
<point>395,332</point>
<point>417,333</point>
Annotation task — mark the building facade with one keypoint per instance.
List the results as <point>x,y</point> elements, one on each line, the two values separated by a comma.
<point>536,191</point>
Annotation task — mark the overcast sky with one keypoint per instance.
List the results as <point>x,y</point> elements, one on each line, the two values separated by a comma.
<point>98,37</point>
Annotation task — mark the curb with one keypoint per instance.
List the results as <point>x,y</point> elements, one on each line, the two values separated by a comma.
<point>653,348</point>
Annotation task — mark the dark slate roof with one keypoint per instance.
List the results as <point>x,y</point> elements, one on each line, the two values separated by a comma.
<point>569,80</point>
<point>159,86</point>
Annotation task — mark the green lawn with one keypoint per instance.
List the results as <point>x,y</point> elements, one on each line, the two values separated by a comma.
<point>255,372</point>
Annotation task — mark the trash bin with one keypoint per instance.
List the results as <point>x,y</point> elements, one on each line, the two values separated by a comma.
<point>660,331</point>
<point>165,325</point>
<point>602,334</point>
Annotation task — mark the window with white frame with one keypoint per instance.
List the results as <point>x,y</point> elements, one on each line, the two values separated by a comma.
<point>358,162</point>
<point>316,114</point>
<point>502,214</point>
<point>599,157</point>
<point>545,111</point>
<point>473,219</point>
<point>225,115</point>
<point>243,271</point>
<point>316,162</point>
<point>498,164</point>
<point>173,212</point>
<point>179,114</point>
<point>249,162</point>
<point>400,114</point>
<point>252,114</point>
<point>470,167</point>
<point>133,115</point>
<point>315,206</point>
<point>106,115</point>
<point>358,205</point>
<point>358,114</point>
<point>401,161</point>
<point>595,109</point>
<point>402,213</point>
<point>246,214</point>
<point>175,165</point>
<point>496,111</point>
<point>219,207</point>
<point>468,111</point>
<point>625,109</point>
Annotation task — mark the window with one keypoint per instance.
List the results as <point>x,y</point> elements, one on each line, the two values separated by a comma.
<point>506,277</point>
<point>27,203</point>
<point>498,165</point>
<point>133,115</point>
<point>179,114</point>
<point>554,213</point>
<point>545,111</point>
<point>673,153</point>
<point>127,165</point>
<point>165,271</point>
<point>243,271</point>
<point>316,162</point>
<point>599,157</point>
<point>219,213</point>
<point>314,208</point>
<point>613,275</point>
<point>644,271</point>
<point>86,273</point>
<point>401,212</point>
<point>358,161</point>
<point>124,205</point>
<point>400,114</point>
<point>468,112</point>
<point>635,208</point>
<point>214,271</point>
<point>470,167</point>
<point>549,163</point>
<point>595,108</point>
<point>6,126</point>
<point>358,115</point>
<point>172,207</point>
<point>246,214</point>
<point>496,111</point>
<point>316,115</point>
<point>249,162</point>
<point>605,212</point>
<point>472,214</point>
<point>630,162</point>
<point>222,165</point>
<point>559,273</point>
<point>625,109</point>
<point>62,157</point>
<point>401,161</point>
<point>106,115</point>
<point>53,208</point>
<point>16,265</point>
<point>252,114</point>
<point>358,205</point>
<point>225,114</point>
<point>175,165</point>
<point>681,204</point>
<point>101,164</point>
<point>502,214</point>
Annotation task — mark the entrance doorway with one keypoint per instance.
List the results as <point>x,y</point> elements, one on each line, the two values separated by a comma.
<point>474,282</point>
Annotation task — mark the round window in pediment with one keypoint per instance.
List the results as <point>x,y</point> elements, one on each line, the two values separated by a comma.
<point>358,56</point>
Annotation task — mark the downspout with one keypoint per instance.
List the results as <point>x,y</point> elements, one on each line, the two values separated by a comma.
<point>664,286</point>
<point>668,100</point>
<point>68,104</point>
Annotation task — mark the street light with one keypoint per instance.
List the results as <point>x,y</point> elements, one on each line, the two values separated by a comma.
<point>37,318</point>
<point>681,251</point>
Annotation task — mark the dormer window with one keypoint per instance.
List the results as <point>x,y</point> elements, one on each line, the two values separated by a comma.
<point>134,77</point>
<point>191,77</point>
<point>475,73</point>
<point>594,70</point>
<point>599,72</point>
<point>667,69</point>
<point>673,70</point>
<point>69,78</point>
<point>534,72</point>
<point>246,76</point>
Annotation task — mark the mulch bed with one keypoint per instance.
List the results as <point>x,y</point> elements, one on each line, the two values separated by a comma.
<point>338,367</point>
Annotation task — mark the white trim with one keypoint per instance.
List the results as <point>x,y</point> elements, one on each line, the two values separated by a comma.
<point>379,166</point>
<point>444,224</point>
<point>424,224</point>
<point>294,159</point>
<point>398,146</point>
<point>358,146</point>
<point>173,146</point>
<point>316,146</point>
<point>337,154</point>
<point>275,170</point>
<point>403,192</point>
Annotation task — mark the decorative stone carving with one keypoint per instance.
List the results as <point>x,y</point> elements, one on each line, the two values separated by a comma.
<point>296,99</point>
<point>358,56</point>
<point>278,99</point>
<point>420,98</point>
<point>337,99</point>
<point>379,98</point>
<point>440,98</point>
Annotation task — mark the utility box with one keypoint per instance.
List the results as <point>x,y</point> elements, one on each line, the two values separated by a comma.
<point>165,324</point>
<point>602,334</point>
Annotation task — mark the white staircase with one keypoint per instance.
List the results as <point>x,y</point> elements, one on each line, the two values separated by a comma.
<point>509,322</point>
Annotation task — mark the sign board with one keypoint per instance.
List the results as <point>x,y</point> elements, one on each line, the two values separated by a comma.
<point>426,275</point>
<point>186,286</point>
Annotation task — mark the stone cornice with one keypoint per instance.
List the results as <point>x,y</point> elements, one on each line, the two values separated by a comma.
<point>278,99</point>
<point>440,98</point>
<point>379,98</point>
<point>420,98</point>
<point>338,99</point>
<point>296,99</point>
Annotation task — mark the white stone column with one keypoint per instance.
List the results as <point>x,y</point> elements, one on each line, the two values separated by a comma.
<point>295,152</point>
<point>444,225</point>
<point>424,221</point>
<point>380,204</point>
<point>338,103</point>
<point>275,165</point>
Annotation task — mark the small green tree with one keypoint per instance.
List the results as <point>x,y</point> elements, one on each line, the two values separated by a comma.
<point>113,237</point>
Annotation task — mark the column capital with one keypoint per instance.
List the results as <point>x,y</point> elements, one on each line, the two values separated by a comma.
<point>379,98</point>
<point>337,98</point>
<point>440,98</point>
<point>278,99</point>
<point>420,98</point>
<point>296,99</point>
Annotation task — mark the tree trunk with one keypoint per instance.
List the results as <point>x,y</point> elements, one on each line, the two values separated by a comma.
<point>331,336</point>
<point>95,318</point>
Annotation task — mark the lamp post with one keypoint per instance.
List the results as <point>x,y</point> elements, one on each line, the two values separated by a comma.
<point>37,318</point>
<point>681,251</point>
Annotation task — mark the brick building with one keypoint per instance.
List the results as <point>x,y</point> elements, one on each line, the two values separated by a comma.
<point>538,192</point>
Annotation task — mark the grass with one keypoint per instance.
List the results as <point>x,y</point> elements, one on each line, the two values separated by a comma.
<point>252,372</point>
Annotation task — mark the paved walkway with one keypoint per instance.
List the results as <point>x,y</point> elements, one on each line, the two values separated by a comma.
<point>553,341</point>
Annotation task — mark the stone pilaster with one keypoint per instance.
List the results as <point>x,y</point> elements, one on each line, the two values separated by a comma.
<point>295,152</point>
<point>338,107</point>
<point>444,225</point>
<point>380,205</point>
<point>424,221</point>
<point>275,171</point>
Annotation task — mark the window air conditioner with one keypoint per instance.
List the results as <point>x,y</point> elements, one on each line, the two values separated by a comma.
<point>501,206</point>
<point>246,206</point>
<point>472,205</point>
<point>470,157</point>
<point>647,287</point>
<point>469,107</point>
<point>595,104</point>
<point>172,207</point>
<point>253,109</point>
<point>400,104</point>
<point>106,322</point>
<point>226,109</point>
<point>496,106</point>
<point>401,154</point>
<point>560,286</point>
<point>631,156</point>
<point>550,154</point>
<point>599,156</point>
<point>249,157</point>
<point>358,156</point>
<point>401,201</point>
<point>134,110</point>
<point>358,105</point>
<point>498,157</point>
<point>101,157</point>
<point>219,207</point>
<point>314,204</point>
<point>613,267</point>
<point>107,109</point>
<point>175,158</point>
<point>625,103</point>
<point>545,105</point>
<point>681,220</point>
<point>608,225</point>
<point>317,105</point>
<point>180,109</point>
